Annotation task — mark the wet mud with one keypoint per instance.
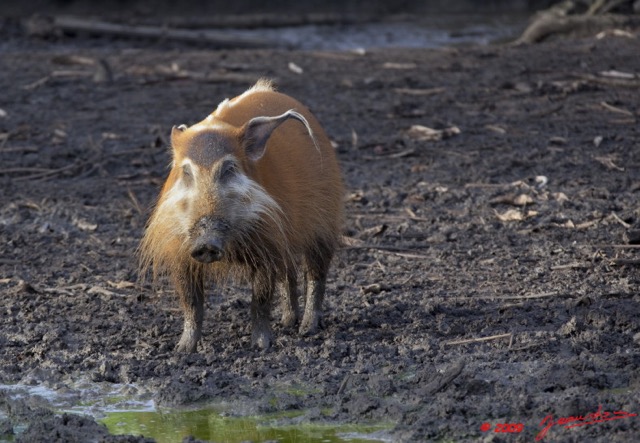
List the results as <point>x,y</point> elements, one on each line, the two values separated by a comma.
<point>487,275</point>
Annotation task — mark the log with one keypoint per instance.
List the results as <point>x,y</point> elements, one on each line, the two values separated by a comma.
<point>268,20</point>
<point>548,25</point>
<point>216,39</point>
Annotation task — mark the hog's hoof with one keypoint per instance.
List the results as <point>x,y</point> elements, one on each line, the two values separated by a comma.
<point>188,342</point>
<point>261,339</point>
<point>289,320</point>
<point>310,324</point>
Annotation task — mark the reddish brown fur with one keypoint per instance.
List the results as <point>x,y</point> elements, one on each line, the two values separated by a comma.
<point>298,170</point>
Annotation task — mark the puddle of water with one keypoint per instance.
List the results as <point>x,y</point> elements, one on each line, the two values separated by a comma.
<point>212,425</point>
<point>128,409</point>
<point>428,32</point>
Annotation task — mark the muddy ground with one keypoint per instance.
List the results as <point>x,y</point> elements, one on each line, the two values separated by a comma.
<point>488,276</point>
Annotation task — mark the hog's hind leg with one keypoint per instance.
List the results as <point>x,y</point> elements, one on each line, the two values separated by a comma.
<point>317,262</point>
<point>288,293</point>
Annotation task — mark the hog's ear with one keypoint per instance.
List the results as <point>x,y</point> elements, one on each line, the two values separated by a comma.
<point>177,130</point>
<point>257,131</point>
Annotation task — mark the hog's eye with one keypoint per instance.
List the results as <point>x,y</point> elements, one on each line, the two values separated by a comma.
<point>227,170</point>
<point>187,174</point>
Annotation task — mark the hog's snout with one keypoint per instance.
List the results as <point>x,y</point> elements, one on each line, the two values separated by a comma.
<point>208,250</point>
<point>208,240</point>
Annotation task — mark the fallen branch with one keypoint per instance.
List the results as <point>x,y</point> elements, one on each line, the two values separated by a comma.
<point>479,339</point>
<point>217,39</point>
<point>48,173</point>
<point>569,266</point>
<point>625,262</point>
<point>615,109</point>
<point>610,81</point>
<point>616,246</point>
<point>510,297</point>
<point>268,20</point>
<point>550,24</point>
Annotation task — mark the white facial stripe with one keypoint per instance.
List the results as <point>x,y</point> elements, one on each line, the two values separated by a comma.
<point>257,201</point>
<point>170,205</point>
<point>193,168</point>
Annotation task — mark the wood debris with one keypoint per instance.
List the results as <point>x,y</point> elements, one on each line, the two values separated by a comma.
<point>423,133</point>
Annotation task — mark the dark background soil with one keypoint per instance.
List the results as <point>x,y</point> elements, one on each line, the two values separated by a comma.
<point>430,263</point>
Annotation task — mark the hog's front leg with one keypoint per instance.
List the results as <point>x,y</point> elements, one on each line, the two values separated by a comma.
<point>263,289</point>
<point>189,285</point>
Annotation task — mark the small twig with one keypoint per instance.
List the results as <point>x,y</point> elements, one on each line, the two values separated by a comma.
<point>615,109</point>
<point>497,185</point>
<point>134,200</point>
<point>343,385</point>
<point>481,339</point>
<point>510,297</point>
<point>399,154</point>
<point>420,92</point>
<point>25,169</point>
<point>548,111</point>
<point>625,261</point>
<point>610,81</point>
<point>47,172</point>
<point>413,216</point>
<point>569,266</point>
<point>18,149</point>
<point>401,252</point>
<point>9,261</point>
<point>619,220</point>
<point>616,246</point>
<point>36,84</point>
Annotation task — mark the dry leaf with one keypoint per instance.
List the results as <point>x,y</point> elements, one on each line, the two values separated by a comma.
<point>560,196</point>
<point>295,68</point>
<point>391,65</point>
<point>357,196</point>
<point>618,74</point>
<point>374,288</point>
<point>374,231</point>
<point>497,129</point>
<point>522,200</point>
<point>510,215</point>
<point>98,290</point>
<point>350,241</point>
<point>121,284</point>
<point>597,140</point>
<point>85,225</point>
<point>423,133</point>
<point>512,199</point>
<point>607,162</point>
<point>541,181</point>
<point>419,168</point>
<point>515,215</point>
